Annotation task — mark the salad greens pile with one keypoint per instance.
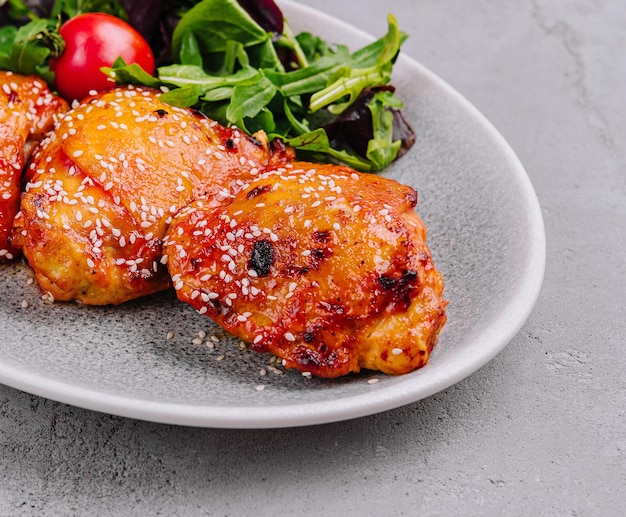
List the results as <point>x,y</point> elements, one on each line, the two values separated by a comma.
<point>239,62</point>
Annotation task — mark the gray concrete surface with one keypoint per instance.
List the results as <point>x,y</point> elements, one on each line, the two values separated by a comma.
<point>538,431</point>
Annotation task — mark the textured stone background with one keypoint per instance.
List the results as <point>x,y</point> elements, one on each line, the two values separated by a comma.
<point>539,430</point>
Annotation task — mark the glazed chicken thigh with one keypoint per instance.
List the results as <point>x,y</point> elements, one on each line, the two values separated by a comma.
<point>319,265</point>
<point>104,186</point>
<point>28,110</point>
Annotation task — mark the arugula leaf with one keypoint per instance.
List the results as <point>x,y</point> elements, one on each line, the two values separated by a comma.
<point>221,93</point>
<point>350,82</point>
<point>190,50</point>
<point>249,99</point>
<point>130,74</point>
<point>264,55</point>
<point>313,47</point>
<point>300,124</point>
<point>27,58</point>
<point>185,97</point>
<point>288,40</point>
<point>316,142</point>
<point>264,120</point>
<point>26,50</point>
<point>214,23</point>
<point>312,78</point>
<point>7,37</point>
<point>382,149</point>
<point>185,75</point>
<point>234,56</point>
<point>215,110</point>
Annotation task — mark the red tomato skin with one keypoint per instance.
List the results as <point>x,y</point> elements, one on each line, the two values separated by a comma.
<point>94,40</point>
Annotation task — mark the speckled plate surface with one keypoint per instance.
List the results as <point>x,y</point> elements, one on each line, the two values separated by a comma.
<point>157,359</point>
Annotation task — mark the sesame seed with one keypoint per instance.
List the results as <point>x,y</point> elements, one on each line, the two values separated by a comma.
<point>274,370</point>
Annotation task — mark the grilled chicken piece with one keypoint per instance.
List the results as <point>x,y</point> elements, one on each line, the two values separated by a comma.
<point>104,186</point>
<point>28,110</point>
<point>324,267</point>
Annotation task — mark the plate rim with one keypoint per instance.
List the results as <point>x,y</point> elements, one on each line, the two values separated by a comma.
<point>352,406</point>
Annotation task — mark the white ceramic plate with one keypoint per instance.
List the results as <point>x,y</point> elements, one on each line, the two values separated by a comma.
<point>487,238</point>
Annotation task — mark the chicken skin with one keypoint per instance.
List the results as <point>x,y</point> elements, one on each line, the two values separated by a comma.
<point>319,265</point>
<point>102,190</point>
<point>28,110</point>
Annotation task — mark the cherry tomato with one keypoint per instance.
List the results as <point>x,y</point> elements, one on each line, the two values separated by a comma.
<point>94,40</point>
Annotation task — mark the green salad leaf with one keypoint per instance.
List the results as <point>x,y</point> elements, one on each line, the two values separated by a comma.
<point>240,63</point>
<point>214,23</point>
<point>25,50</point>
